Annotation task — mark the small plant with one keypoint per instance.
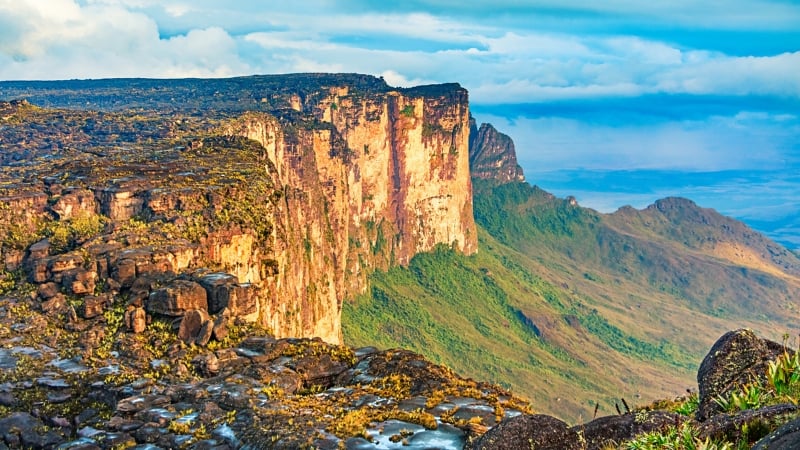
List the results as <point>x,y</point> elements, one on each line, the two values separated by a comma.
<point>750,396</point>
<point>689,407</point>
<point>683,438</point>
<point>408,111</point>
<point>783,375</point>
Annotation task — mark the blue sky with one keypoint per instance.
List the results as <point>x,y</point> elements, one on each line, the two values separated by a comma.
<point>620,85</point>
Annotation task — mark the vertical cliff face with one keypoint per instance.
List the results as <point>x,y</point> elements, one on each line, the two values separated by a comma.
<point>374,180</point>
<point>290,189</point>
<point>492,155</point>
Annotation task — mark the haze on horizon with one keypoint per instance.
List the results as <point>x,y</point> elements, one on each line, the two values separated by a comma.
<point>590,92</point>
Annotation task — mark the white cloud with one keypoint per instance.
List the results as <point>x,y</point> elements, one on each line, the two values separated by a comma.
<point>93,38</point>
<point>68,40</point>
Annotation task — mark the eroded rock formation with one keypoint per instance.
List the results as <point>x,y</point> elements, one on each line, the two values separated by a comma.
<point>492,155</point>
<point>293,204</point>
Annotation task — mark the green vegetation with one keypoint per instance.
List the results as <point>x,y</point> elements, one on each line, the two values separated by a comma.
<point>565,305</point>
<point>676,438</point>
<point>782,386</point>
<point>407,111</point>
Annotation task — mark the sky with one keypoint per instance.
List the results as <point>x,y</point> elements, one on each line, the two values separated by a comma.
<point>613,86</point>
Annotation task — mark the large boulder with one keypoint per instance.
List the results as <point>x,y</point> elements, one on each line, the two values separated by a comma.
<point>737,358</point>
<point>750,424</point>
<point>224,291</point>
<point>608,430</point>
<point>177,298</point>
<point>191,325</point>
<point>786,437</point>
<point>529,431</point>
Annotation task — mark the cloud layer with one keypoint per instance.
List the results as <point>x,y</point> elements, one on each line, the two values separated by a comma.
<point>557,52</point>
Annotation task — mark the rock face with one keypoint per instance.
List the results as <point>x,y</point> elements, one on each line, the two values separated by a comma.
<point>295,201</point>
<point>737,358</point>
<point>530,431</point>
<point>388,178</point>
<point>492,155</point>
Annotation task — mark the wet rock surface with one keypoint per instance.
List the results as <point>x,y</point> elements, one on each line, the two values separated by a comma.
<point>152,389</point>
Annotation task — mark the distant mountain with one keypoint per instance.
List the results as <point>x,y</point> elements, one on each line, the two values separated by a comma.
<point>572,307</point>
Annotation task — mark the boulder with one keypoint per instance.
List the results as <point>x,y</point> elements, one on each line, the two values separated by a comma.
<point>177,298</point>
<point>191,324</point>
<point>737,358</point>
<point>610,430</point>
<point>757,422</point>
<point>318,370</point>
<point>135,319</point>
<point>75,203</point>
<point>39,250</point>
<point>47,290</point>
<point>22,430</point>
<point>204,334</point>
<point>79,281</point>
<point>124,272</point>
<point>537,431</point>
<point>224,291</point>
<point>786,437</point>
<point>93,306</point>
<point>206,364</point>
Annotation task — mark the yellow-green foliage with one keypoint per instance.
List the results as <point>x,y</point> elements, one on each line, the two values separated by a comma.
<point>782,386</point>
<point>683,438</point>
<point>66,234</point>
<point>317,348</point>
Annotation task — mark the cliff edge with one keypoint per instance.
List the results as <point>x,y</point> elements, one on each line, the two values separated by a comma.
<point>277,194</point>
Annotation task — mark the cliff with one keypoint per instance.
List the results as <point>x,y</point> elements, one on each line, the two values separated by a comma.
<point>492,155</point>
<point>279,212</point>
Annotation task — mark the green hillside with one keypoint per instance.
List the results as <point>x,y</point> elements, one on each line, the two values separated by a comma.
<point>571,307</point>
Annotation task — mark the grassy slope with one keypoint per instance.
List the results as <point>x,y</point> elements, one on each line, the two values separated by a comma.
<point>567,306</point>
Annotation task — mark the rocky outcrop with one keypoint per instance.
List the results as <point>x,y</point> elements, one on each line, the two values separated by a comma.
<point>531,431</point>
<point>386,177</point>
<point>737,358</point>
<point>292,204</point>
<point>492,155</point>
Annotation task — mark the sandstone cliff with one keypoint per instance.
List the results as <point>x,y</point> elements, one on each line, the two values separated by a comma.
<point>492,155</point>
<point>293,203</point>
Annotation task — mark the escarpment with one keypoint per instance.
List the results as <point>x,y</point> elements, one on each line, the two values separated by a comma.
<point>289,190</point>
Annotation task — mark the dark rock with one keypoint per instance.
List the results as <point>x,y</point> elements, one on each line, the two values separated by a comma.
<point>7,399</point>
<point>220,329</point>
<point>79,281</point>
<point>529,431</point>
<point>80,444</point>
<point>177,298</point>
<point>22,430</point>
<point>191,324</point>
<point>148,434</point>
<point>206,364</point>
<point>737,358</point>
<point>219,287</point>
<point>55,304</point>
<point>93,306</point>
<point>604,431</point>
<point>47,290</point>
<point>224,291</point>
<point>786,437</point>
<point>39,250</point>
<point>204,335</point>
<point>124,272</point>
<point>492,155</point>
<point>318,370</point>
<point>758,422</point>
<point>135,319</point>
